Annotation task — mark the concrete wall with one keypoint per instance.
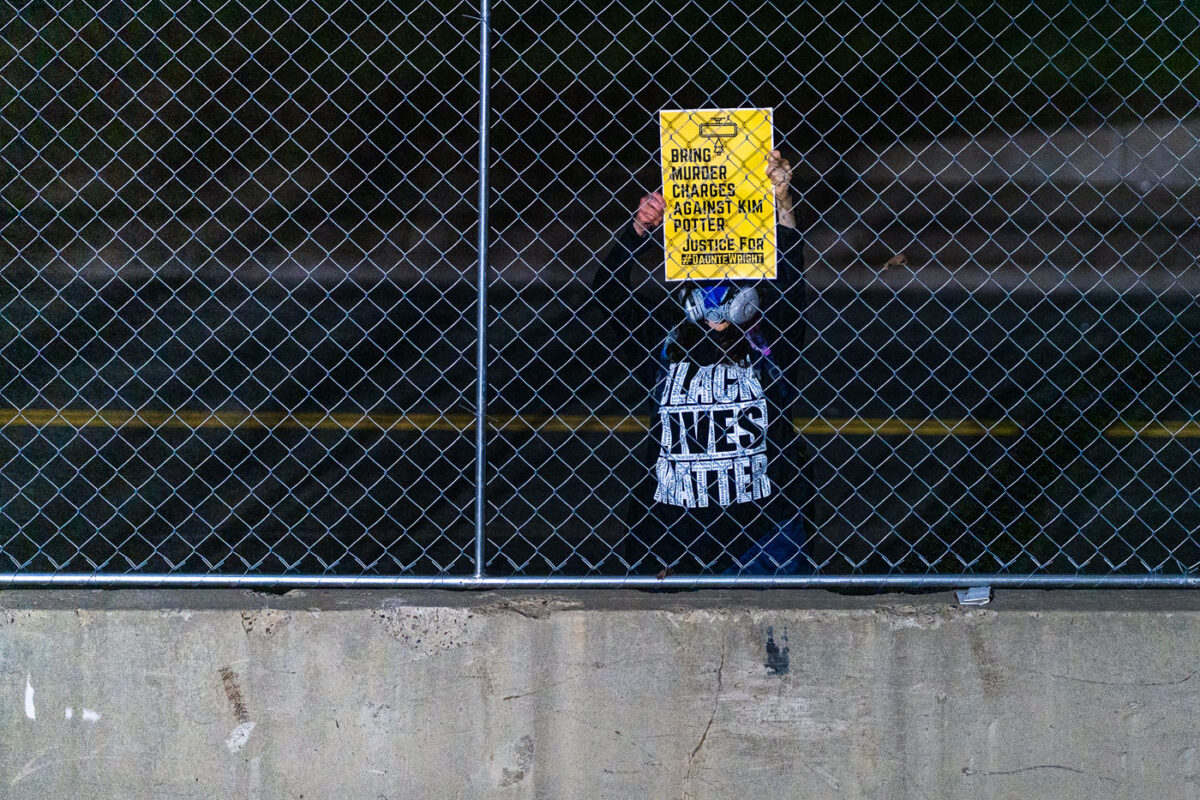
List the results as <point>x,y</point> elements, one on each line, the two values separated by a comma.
<point>596,695</point>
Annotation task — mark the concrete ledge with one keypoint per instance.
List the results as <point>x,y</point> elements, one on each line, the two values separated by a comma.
<point>198,694</point>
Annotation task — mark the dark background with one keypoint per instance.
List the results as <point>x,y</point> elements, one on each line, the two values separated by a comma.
<point>271,207</point>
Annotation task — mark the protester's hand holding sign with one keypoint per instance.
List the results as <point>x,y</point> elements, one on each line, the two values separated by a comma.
<point>779,171</point>
<point>649,213</point>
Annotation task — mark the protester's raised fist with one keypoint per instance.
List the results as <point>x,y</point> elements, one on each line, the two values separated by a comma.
<point>779,171</point>
<point>649,213</point>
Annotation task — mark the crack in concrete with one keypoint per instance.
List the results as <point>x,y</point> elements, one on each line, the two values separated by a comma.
<point>39,762</point>
<point>553,685</point>
<point>1063,767</point>
<point>716,702</point>
<point>1094,682</point>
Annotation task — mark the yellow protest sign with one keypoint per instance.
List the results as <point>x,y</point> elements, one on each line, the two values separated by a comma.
<point>720,215</point>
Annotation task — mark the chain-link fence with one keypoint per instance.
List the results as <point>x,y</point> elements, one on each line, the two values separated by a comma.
<point>241,295</point>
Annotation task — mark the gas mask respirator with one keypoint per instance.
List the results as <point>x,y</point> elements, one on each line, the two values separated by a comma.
<point>736,304</point>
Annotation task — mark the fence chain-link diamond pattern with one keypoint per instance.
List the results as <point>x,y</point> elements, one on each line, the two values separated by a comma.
<point>238,290</point>
<point>232,339</point>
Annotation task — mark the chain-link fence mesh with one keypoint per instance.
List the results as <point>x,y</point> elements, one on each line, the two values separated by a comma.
<point>238,289</point>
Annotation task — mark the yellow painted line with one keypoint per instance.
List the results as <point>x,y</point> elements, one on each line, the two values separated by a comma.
<point>1155,430</point>
<point>568,423</point>
<point>895,426</point>
<point>233,420</point>
<point>526,423</point>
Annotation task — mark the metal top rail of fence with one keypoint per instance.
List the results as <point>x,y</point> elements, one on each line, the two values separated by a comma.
<point>373,294</point>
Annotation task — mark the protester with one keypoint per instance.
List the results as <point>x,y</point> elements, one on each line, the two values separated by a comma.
<point>724,484</point>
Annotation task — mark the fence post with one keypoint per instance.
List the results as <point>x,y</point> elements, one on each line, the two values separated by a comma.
<point>485,30</point>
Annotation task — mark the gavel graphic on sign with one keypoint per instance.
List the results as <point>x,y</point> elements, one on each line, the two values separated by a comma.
<point>718,129</point>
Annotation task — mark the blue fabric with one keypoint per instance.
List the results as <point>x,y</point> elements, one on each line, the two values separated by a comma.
<point>778,553</point>
<point>714,296</point>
